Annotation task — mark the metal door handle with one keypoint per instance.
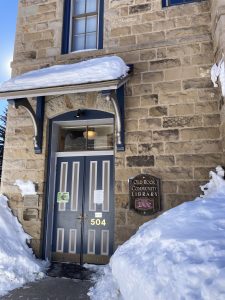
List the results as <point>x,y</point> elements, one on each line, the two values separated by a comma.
<point>82,217</point>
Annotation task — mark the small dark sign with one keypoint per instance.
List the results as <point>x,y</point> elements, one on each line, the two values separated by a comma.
<point>144,194</point>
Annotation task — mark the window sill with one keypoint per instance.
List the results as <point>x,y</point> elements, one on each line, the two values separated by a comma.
<point>76,55</point>
<point>183,3</point>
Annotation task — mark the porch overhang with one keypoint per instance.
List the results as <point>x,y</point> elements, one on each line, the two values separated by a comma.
<point>65,89</point>
<point>106,75</point>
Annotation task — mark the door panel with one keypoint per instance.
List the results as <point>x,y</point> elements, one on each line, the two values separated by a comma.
<point>83,227</point>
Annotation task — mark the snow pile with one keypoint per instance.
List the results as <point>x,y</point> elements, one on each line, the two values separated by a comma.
<point>17,262</point>
<point>26,187</point>
<point>93,70</point>
<point>179,255</point>
<point>218,73</point>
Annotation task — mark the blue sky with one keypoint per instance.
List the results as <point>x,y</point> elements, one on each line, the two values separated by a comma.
<point>8,15</point>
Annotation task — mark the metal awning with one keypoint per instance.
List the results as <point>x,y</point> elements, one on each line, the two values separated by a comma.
<point>109,74</point>
<point>65,89</point>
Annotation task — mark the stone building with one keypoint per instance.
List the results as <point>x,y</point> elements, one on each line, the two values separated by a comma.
<point>173,117</point>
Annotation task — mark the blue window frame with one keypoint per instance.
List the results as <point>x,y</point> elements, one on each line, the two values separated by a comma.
<point>82,25</point>
<point>166,3</point>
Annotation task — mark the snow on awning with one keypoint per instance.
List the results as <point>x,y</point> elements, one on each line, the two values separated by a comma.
<point>104,73</point>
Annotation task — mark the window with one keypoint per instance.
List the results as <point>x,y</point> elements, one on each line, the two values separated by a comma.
<point>86,138</point>
<point>166,3</point>
<point>83,25</point>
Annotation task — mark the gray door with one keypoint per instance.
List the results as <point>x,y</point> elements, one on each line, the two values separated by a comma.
<point>84,209</point>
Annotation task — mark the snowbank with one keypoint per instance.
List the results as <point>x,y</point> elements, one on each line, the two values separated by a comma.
<point>93,70</point>
<point>179,255</point>
<point>18,264</point>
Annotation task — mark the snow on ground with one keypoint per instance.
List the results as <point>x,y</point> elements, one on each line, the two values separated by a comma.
<point>26,187</point>
<point>18,264</point>
<point>93,70</point>
<point>178,256</point>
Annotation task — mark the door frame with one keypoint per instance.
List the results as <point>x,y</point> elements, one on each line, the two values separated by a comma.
<point>88,117</point>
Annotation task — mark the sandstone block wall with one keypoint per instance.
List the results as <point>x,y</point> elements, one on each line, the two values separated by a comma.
<point>218,36</point>
<point>172,111</point>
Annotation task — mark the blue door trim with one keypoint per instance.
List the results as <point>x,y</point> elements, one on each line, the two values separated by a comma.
<point>49,209</point>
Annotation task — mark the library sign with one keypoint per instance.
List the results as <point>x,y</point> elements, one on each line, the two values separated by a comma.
<point>145,194</point>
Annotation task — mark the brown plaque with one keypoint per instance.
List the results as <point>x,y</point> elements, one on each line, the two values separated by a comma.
<point>144,194</point>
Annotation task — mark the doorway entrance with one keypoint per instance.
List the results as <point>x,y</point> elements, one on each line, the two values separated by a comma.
<point>83,220</point>
<point>80,213</point>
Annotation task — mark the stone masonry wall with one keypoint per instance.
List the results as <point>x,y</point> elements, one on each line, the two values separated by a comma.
<point>218,36</point>
<point>172,120</point>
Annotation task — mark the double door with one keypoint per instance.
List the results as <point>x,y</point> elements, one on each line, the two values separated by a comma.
<point>84,209</point>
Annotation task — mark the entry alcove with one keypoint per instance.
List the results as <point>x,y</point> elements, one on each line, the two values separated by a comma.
<point>85,138</point>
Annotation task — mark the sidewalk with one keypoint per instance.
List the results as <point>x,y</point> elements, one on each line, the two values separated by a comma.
<point>52,288</point>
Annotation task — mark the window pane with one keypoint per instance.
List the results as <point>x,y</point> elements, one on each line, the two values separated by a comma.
<point>91,41</point>
<point>72,139</point>
<point>79,7</point>
<point>100,137</point>
<point>91,6</point>
<point>78,42</point>
<point>91,24</point>
<point>79,26</point>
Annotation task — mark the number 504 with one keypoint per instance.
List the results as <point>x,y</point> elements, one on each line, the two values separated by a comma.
<point>98,222</point>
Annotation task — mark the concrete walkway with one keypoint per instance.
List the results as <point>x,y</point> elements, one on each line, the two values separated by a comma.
<point>52,288</point>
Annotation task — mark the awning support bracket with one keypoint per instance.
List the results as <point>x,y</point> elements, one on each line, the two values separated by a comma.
<point>118,105</point>
<point>37,118</point>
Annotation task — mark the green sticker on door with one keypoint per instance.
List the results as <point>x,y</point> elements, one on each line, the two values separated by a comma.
<point>63,197</point>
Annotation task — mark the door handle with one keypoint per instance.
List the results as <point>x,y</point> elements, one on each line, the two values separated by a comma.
<point>84,217</point>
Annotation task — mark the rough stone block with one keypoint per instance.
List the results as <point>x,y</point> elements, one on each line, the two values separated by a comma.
<point>150,149</point>
<point>164,64</point>
<point>153,37</point>
<point>169,187</point>
<point>197,83</point>
<point>198,160</point>
<point>142,89</point>
<point>149,100</point>
<point>209,146</point>
<point>121,31</point>
<point>187,31</point>
<point>121,200</point>
<point>30,214</point>
<point>158,111</point>
<point>171,86</point>
<point>188,96</point>
<point>133,9</point>
<point>127,40</point>
<point>147,54</point>
<point>178,147</point>
<point>207,107</point>
<point>152,76</point>
<point>150,123</point>
<point>166,135</point>
<point>140,161</point>
<point>180,50</point>
<point>120,218</point>
<point>153,16</point>
<point>142,28</point>
<point>135,113</point>
<point>31,201</point>
<point>138,136</point>
<point>201,133</point>
<point>164,161</point>
<point>181,109</point>
<point>182,121</point>
<point>131,125</point>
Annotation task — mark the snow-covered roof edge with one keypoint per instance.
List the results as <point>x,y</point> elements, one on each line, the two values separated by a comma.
<point>93,71</point>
